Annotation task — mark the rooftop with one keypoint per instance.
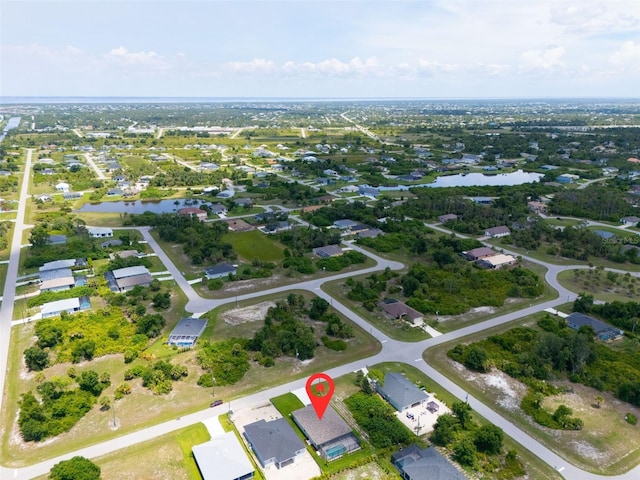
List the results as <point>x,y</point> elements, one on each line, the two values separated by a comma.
<point>222,458</point>
<point>129,271</point>
<point>274,439</point>
<point>331,426</point>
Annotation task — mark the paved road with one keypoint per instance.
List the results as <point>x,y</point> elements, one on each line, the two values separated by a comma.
<point>392,350</point>
<point>8,296</point>
<point>99,173</point>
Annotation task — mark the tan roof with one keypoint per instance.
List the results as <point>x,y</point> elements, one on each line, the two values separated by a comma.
<point>499,259</point>
<point>57,282</point>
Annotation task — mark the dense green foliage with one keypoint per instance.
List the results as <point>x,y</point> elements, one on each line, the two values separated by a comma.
<point>624,315</point>
<point>76,468</point>
<point>85,335</point>
<point>201,241</point>
<point>60,407</point>
<point>556,351</point>
<point>378,419</point>
<point>335,264</point>
<point>157,377</point>
<point>596,202</point>
<point>226,361</point>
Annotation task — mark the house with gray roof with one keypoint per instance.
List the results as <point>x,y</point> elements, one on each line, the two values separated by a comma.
<point>125,279</point>
<point>415,463</point>
<point>345,224</point>
<point>53,274</point>
<point>328,251</point>
<point>603,331</point>
<point>69,305</point>
<point>222,270</point>
<point>66,263</point>
<point>400,392</point>
<point>187,332</point>
<point>223,458</point>
<point>58,284</point>
<point>479,253</point>
<point>331,436</point>
<point>274,442</point>
<point>399,310</point>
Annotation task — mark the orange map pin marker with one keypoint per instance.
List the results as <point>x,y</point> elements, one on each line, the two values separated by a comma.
<point>320,389</point>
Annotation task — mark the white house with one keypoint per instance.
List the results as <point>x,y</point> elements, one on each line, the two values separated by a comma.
<point>62,187</point>
<point>100,232</point>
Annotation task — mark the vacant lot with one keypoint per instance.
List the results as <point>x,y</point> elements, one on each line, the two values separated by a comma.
<point>605,286</point>
<point>252,244</point>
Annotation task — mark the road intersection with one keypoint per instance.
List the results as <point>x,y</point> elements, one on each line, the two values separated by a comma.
<point>392,351</point>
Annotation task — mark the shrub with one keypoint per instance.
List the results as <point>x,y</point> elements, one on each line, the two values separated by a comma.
<point>631,419</point>
<point>336,345</point>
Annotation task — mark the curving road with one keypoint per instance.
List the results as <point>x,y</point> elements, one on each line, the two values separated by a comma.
<point>392,351</point>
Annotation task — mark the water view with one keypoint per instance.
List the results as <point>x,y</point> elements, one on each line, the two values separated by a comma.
<point>139,206</point>
<point>475,180</point>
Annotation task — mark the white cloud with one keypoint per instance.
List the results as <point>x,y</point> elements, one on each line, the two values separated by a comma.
<point>124,57</point>
<point>627,57</point>
<point>545,59</point>
<point>356,67</point>
<point>595,17</point>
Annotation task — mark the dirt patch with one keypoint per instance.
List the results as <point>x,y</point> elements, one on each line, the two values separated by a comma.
<point>370,471</point>
<point>252,284</point>
<point>252,313</point>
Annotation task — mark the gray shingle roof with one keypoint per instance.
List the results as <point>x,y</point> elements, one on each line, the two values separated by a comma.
<point>400,392</point>
<point>427,464</point>
<point>275,439</point>
<point>331,427</point>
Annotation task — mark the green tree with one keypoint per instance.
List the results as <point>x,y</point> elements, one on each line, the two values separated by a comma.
<point>462,411</point>
<point>476,359</point>
<point>89,381</point>
<point>444,429</point>
<point>77,468</point>
<point>36,358</point>
<point>464,452</point>
<point>39,236</point>
<point>488,439</point>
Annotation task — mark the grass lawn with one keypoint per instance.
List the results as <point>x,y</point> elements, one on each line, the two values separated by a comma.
<point>563,222</point>
<point>252,244</point>
<point>604,286</point>
<point>166,457</point>
<point>102,219</point>
<point>606,445</point>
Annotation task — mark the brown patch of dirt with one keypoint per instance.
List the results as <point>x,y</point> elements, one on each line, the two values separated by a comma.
<point>252,313</point>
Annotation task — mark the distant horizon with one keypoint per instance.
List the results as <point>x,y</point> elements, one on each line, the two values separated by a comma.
<point>18,99</point>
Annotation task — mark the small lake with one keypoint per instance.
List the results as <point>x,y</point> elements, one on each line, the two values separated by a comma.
<point>12,123</point>
<point>475,180</point>
<point>139,206</point>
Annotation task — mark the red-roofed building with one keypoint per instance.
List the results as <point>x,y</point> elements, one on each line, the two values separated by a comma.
<point>193,212</point>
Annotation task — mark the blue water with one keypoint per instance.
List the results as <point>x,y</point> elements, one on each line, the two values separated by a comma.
<point>335,451</point>
<point>475,180</point>
<point>139,206</point>
<point>12,123</point>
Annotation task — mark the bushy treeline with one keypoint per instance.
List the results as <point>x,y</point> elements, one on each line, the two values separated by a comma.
<point>226,361</point>
<point>157,377</point>
<point>179,176</point>
<point>555,351</point>
<point>378,419</point>
<point>201,241</point>
<point>624,315</point>
<point>287,192</point>
<point>63,401</point>
<point>596,202</point>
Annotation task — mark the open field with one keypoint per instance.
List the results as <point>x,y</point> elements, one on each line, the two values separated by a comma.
<point>600,447</point>
<point>605,286</point>
<point>254,244</point>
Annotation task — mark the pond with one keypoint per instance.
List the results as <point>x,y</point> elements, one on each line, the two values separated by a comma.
<point>139,206</point>
<point>476,180</point>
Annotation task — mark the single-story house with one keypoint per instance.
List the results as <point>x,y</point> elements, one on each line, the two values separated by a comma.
<point>193,212</point>
<point>631,220</point>
<point>328,251</point>
<point>100,232</point>
<point>69,305</point>
<point>344,224</point>
<point>359,228</point>
<point>243,202</point>
<point>223,458</point>
<point>226,194</point>
<point>368,191</point>
<point>187,332</point>
<point>274,442</point>
<point>399,310</point>
<point>567,178</point>
<point>115,242</point>
<point>71,195</point>
<point>370,233</point>
<point>415,463</point>
<point>44,197</point>
<point>497,261</point>
<point>239,225</point>
<point>400,392</point>
<point>496,232</point>
<point>218,209</point>
<point>482,200</point>
<point>537,207</point>
<point>447,217</point>
<point>53,274</point>
<point>222,270</point>
<point>331,436</point>
<point>603,331</point>
<point>124,254</point>
<point>67,263</point>
<point>62,187</point>
<point>125,279</point>
<point>114,192</point>
<point>57,239</point>
<point>58,284</point>
<point>47,171</point>
<point>478,253</point>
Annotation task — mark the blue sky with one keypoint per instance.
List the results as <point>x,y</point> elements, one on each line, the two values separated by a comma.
<point>311,48</point>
